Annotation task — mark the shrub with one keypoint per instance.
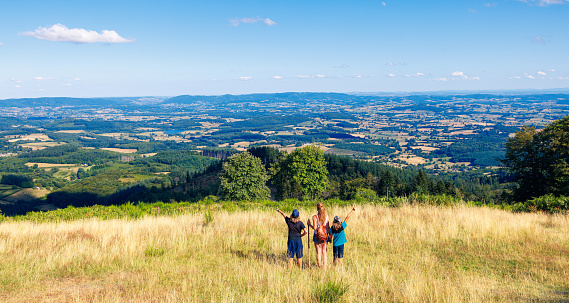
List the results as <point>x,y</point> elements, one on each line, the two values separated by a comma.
<point>329,291</point>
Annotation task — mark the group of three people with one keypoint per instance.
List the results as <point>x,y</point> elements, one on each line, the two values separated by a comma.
<point>323,234</point>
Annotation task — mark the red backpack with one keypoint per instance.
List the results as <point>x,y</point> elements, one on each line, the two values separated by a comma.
<point>321,231</point>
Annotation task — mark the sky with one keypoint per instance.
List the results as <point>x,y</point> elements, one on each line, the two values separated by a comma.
<point>209,47</point>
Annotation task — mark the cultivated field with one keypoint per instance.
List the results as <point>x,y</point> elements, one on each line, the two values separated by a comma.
<point>404,254</point>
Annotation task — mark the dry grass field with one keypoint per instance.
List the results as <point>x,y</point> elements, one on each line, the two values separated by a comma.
<point>404,254</point>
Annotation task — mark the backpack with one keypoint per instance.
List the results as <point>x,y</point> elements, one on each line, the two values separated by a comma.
<point>321,232</point>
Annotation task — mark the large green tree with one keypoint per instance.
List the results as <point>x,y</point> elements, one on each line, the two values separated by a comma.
<point>539,160</point>
<point>244,177</point>
<point>302,173</point>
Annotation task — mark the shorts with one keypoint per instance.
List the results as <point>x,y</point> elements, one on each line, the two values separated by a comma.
<point>294,248</point>
<point>315,240</point>
<point>338,251</point>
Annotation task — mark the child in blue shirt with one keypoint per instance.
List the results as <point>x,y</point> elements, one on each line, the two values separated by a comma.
<point>339,237</point>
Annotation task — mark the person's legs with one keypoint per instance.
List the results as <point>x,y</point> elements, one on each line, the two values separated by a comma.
<point>299,253</point>
<point>318,247</point>
<point>340,254</point>
<point>335,254</point>
<point>290,261</point>
<point>324,255</point>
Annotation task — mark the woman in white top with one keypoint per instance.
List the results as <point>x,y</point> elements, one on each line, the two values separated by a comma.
<point>320,220</point>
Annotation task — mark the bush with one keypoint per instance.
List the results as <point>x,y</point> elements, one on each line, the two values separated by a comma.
<point>548,203</point>
<point>329,291</point>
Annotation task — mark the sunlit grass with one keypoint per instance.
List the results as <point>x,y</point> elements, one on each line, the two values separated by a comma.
<point>404,254</point>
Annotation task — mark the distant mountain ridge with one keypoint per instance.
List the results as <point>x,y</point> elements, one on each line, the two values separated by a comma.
<point>299,98</point>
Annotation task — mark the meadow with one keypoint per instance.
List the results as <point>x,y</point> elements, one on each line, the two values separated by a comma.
<point>205,253</point>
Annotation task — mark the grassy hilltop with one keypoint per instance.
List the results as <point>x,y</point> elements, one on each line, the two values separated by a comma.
<point>409,253</point>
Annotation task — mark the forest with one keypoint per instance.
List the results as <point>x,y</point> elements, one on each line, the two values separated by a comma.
<point>118,150</point>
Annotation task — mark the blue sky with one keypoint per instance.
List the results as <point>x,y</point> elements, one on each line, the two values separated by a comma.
<point>172,47</point>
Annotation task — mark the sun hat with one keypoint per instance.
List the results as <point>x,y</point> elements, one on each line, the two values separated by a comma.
<point>337,219</point>
<point>295,213</point>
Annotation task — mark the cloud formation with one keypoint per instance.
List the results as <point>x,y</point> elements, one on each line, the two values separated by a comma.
<point>243,78</point>
<point>462,76</point>
<point>538,39</point>
<point>238,21</point>
<point>60,32</point>
<point>1,43</point>
<point>42,78</point>
<point>544,2</point>
<point>310,76</point>
<point>277,77</point>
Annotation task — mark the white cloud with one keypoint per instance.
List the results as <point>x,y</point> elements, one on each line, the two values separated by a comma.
<point>383,3</point>
<point>414,75</point>
<point>42,78</point>
<point>462,76</point>
<point>1,43</point>
<point>362,76</point>
<point>473,11</point>
<point>341,66</point>
<point>542,73</point>
<point>458,74</point>
<point>67,84</point>
<point>544,2</point>
<point>305,76</point>
<point>17,86</point>
<point>60,32</point>
<point>490,4</point>
<point>530,77</point>
<point>16,80</point>
<point>391,75</point>
<point>238,21</point>
<point>441,79</point>
<point>538,39</point>
<point>77,79</point>
<point>320,76</point>
<point>243,78</point>
<point>277,77</point>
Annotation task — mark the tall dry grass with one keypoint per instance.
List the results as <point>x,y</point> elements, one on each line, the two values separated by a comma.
<point>405,254</point>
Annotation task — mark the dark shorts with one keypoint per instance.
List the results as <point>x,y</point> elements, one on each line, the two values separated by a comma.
<point>338,251</point>
<point>294,248</point>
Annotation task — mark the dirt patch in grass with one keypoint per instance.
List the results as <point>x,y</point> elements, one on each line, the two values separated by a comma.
<point>121,150</point>
<point>32,137</point>
<point>45,165</point>
<point>71,131</point>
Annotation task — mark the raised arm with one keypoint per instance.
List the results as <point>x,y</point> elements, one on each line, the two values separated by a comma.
<point>348,216</point>
<point>280,212</point>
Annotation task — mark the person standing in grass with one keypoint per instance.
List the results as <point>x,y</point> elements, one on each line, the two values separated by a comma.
<point>296,230</point>
<point>339,237</point>
<point>321,227</point>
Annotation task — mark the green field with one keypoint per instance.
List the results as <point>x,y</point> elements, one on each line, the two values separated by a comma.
<point>8,190</point>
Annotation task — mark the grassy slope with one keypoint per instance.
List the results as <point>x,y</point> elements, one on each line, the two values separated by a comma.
<point>404,254</point>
